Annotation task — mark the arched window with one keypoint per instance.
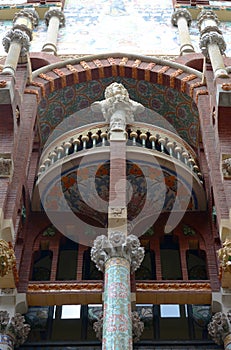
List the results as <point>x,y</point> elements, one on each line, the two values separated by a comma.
<point>147,269</point>
<point>90,271</point>
<point>196,264</point>
<point>67,260</point>
<point>42,260</point>
<point>170,258</point>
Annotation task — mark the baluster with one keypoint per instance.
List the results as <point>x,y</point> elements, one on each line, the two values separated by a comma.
<point>178,151</point>
<point>67,146</point>
<point>85,139</point>
<point>76,143</point>
<point>133,135</point>
<point>104,138</point>
<point>152,139</point>
<point>185,157</point>
<point>143,138</point>
<point>162,143</point>
<point>170,146</point>
<point>42,169</point>
<point>191,162</point>
<point>52,156</point>
<point>47,162</point>
<point>95,138</point>
<point>60,151</point>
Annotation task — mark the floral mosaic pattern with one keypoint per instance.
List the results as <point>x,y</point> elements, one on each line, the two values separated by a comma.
<point>117,306</point>
<point>176,108</point>
<point>82,195</point>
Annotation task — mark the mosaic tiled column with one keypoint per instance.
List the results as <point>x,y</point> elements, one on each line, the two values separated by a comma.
<point>182,19</point>
<point>220,329</point>
<point>54,20</point>
<point>212,43</point>
<point>117,256</point>
<point>16,42</point>
<point>13,331</point>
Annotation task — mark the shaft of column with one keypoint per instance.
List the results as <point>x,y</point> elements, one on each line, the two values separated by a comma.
<point>217,61</point>
<point>182,19</point>
<point>117,329</point>
<point>11,61</point>
<point>54,19</point>
<point>185,40</point>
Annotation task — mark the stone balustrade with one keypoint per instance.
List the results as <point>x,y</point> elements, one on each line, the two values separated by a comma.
<point>155,139</point>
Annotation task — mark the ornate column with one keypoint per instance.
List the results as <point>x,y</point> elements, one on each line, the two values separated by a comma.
<point>182,19</point>
<point>220,329</point>
<point>54,20</point>
<point>212,43</point>
<point>13,331</point>
<point>118,254</point>
<point>17,41</point>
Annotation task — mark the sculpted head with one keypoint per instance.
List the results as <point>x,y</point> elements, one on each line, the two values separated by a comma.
<point>115,89</point>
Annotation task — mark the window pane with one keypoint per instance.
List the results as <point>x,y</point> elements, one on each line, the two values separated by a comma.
<point>169,311</point>
<point>70,311</point>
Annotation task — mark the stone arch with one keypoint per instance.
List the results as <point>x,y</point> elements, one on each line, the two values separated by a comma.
<point>57,77</point>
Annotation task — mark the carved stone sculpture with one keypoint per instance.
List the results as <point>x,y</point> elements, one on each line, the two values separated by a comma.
<point>7,258</point>
<point>5,167</point>
<point>226,167</point>
<point>117,245</point>
<point>19,37</point>
<point>55,13</point>
<point>117,108</point>
<point>212,38</point>
<point>15,328</point>
<point>181,13</point>
<point>224,255</point>
<point>219,327</point>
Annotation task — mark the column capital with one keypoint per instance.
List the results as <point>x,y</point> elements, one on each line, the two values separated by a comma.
<point>117,245</point>
<point>220,327</point>
<point>17,36</point>
<point>15,328</point>
<point>181,13</point>
<point>7,258</point>
<point>212,38</point>
<point>207,15</point>
<point>55,13</point>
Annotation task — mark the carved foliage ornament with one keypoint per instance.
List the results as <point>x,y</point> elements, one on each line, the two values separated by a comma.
<point>137,326</point>
<point>55,13</point>
<point>212,38</point>
<point>18,36</point>
<point>207,15</point>
<point>226,163</point>
<point>5,165</point>
<point>7,258</point>
<point>224,255</point>
<point>15,327</point>
<point>117,245</point>
<point>219,327</point>
<point>181,13</point>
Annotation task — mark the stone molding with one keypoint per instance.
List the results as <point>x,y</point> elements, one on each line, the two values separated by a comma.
<point>18,36</point>
<point>212,38</point>
<point>117,245</point>
<point>55,13</point>
<point>15,328</point>
<point>7,258</point>
<point>181,13</point>
<point>220,327</point>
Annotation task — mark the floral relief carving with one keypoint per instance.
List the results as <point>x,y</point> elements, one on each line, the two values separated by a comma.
<point>15,327</point>
<point>7,258</point>
<point>117,245</point>
<point>220,327</point>
<point>224,255</point>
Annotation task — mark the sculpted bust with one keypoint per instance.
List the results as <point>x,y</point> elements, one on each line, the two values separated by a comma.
<point>117,108</point>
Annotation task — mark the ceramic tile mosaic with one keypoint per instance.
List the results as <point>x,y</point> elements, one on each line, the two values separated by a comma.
<point>97,26</point>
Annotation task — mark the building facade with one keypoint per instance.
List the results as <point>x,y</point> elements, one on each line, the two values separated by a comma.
<point>115,173</point>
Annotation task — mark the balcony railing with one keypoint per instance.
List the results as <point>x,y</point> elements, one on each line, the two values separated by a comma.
<point>142,135</point>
